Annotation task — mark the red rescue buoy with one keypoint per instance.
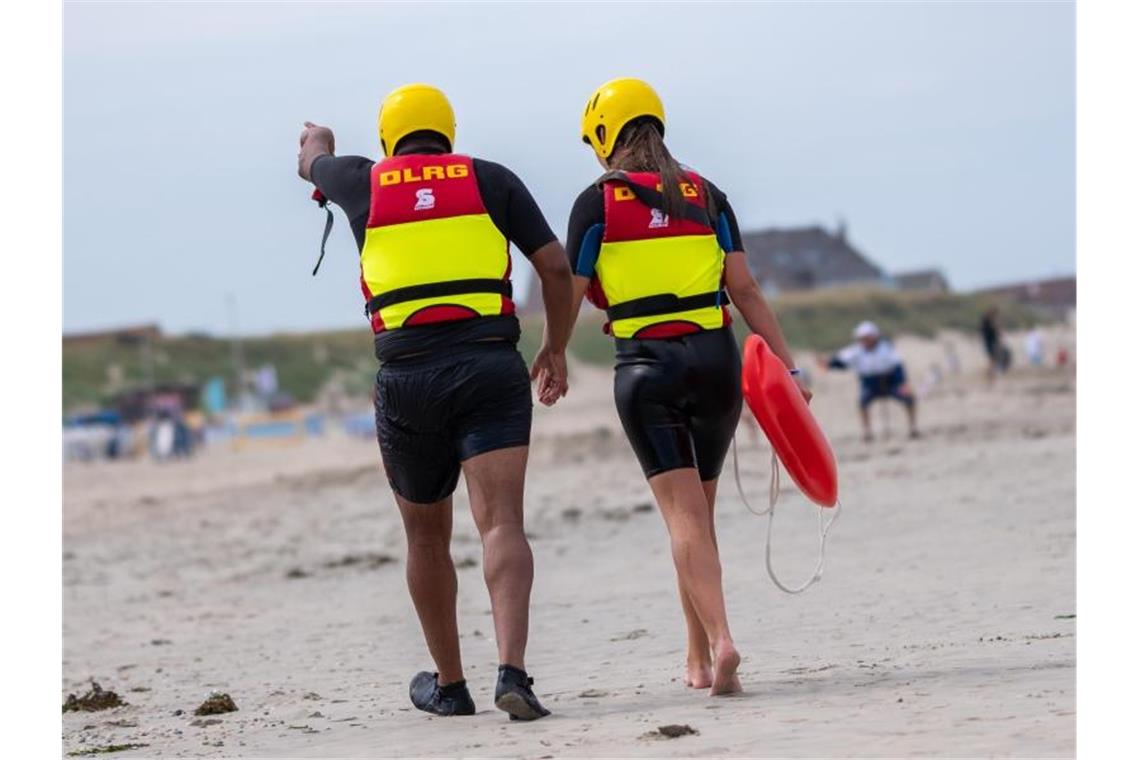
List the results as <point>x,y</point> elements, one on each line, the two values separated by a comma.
<point>779,407</point>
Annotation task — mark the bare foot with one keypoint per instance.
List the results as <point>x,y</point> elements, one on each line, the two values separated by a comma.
<point>698,676</point>
<point>724,672</point>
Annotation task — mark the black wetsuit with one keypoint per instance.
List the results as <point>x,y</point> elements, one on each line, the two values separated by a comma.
<point>678,398</point>
<point>990,336</point>
<point>449,391</point>
<point>998,352</point>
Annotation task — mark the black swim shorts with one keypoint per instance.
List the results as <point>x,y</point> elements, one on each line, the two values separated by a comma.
<point>436,410</point>
<point>889,384</point>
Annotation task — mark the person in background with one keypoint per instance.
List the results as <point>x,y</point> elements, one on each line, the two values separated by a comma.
<point>881,374</point>
<point>1035,347</point>
<point>196,424</point>
<point>163,432</point>
<point>452,393</point>
<point>183,445</point>
<point>996,350</point>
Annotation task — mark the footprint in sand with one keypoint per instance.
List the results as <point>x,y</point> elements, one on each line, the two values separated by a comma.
<point>634,634</point>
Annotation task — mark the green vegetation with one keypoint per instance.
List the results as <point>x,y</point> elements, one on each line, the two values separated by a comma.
<point>823,320</point>
<point>94,370</point>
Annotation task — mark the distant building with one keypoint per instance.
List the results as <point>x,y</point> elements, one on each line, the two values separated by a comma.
<point>925,280</point>
<point>802,258</point>
<point>1058,294</point>
<point>129,335</point>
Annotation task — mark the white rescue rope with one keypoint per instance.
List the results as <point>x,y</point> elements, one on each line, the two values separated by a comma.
<point>773,496</point>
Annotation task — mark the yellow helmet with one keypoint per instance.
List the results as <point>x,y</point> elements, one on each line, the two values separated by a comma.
<point>612,106</point>
<point>413,108</point>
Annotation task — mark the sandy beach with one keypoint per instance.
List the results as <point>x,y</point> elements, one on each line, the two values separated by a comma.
<point>943,624</point>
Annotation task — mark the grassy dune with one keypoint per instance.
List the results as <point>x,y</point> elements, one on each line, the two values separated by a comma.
<point>822,320</point>
<point>95,370</point>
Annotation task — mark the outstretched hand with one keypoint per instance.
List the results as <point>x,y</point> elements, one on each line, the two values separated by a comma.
<point>549,372</point>
<point>315,141</point>
<point>324,134</point>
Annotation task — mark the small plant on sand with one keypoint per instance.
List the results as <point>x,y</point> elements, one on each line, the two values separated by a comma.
<point>215,704</point>
<point>95,699</point>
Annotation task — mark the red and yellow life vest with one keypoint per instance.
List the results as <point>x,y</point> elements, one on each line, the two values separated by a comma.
<point>431,252</point>
<point>659,277</point>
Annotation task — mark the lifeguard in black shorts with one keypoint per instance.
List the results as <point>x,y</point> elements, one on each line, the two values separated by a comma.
<point>657,247</point>
<point>452,392</point>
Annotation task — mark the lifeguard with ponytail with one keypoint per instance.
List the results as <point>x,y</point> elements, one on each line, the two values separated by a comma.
<point>656,245</point>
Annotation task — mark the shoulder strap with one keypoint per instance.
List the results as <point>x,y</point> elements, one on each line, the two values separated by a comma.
<point>655,199</point>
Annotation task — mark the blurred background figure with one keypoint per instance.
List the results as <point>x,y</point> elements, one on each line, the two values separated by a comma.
<point>881,374</point>
<point>998,353</point>
<point>1035,347</point>
<point>170,435</point>
<point>162,435</point>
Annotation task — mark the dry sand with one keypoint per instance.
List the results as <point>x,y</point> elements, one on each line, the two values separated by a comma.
<point>942,625</point>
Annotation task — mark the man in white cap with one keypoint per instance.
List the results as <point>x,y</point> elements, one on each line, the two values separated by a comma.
<point>881,373</point>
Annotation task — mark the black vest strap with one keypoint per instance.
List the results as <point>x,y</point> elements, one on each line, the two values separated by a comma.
<point>438,290</point>
<point>666,303</point>
<point>655,199</point>
<point>324,238</point>
<point>323,202</point>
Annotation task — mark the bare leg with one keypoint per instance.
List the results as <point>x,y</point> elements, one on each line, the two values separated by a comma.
<point>685,507</point>
<point>432,583</point>
<point>865,418</point>
<point>912,417</point>
<point>698,660</point>
<point>495,486</point>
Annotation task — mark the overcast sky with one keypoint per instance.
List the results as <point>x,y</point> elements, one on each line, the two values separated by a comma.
<point>942,132</point>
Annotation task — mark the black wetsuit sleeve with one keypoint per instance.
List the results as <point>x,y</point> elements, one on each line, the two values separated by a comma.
<point>511,207</point>
<point>581,246</point>
<point>345,181</point>
<point>727,228</point>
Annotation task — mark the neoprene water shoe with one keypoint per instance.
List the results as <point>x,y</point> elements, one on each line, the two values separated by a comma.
<point>513,695</point>
<point>429,696</point>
